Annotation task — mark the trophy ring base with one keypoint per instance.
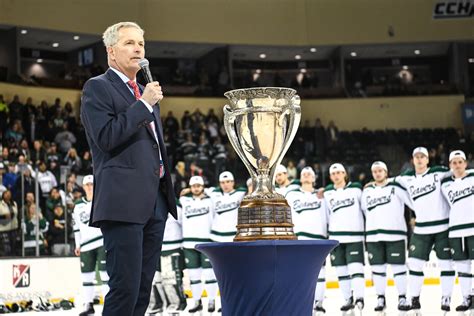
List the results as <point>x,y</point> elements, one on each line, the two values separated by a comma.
<point>264,219</point>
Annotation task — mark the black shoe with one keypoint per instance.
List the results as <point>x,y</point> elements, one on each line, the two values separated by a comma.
<point>89,310</point>
<point>403,304</point>
<point>197,307</point>
<point>348,305</point>
<point>318,307</point>
<point>415,303</point>
<point>445,303</point>
<point>211,306</point>
<point>466,303</point>
<point>381,304</point>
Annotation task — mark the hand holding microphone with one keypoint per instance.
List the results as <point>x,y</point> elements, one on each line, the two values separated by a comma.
<point>153,93</point>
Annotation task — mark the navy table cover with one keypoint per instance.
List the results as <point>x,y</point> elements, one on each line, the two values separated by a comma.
<point>267,277</point>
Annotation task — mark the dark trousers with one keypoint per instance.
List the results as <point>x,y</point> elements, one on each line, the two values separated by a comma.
<point>132,252</point>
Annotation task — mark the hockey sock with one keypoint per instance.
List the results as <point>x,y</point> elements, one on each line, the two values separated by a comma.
<point>400,276</point>
<point>356,270</point>
<point>447,277</point>
<point>380,278</point>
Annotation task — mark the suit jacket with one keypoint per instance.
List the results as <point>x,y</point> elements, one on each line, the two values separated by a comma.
<point>125,153</point>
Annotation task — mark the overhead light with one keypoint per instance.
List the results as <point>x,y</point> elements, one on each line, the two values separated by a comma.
<point>313,50</point>
<point>39,60</point>
<point>417,52</point>
<point>405,67</point>
<point>263,56</point>
<point>76,37</point>
<point>297,56</point>
<point>258,71</point>
<point>353,54</point>
<point>24,31</point>
<point>55,45</point>
<point>471,60</point>
<point>303,70</point>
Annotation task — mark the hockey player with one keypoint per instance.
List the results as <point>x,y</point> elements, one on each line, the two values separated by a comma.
<point>168,281</point>
<point>431,229</point>
<point>197,210</point>
<point>458,190</point>
<point>310,219</point>
<point>282,183</point>
<point>346,224</point>
<point>226,202</point>
<point>89,246</point>
<point>383,203</point>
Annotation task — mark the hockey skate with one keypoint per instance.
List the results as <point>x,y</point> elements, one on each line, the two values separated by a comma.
<point>211,306</point>
<point>445,304</point>
<point>88,310</point>
<point>403,306</point>
<point>318,309</point>
<point>359,303</point>
<point>197,308</point>
<point>381,305</point>
<point>348,307</point>
<point>465,306</point>
<point>415,306</point>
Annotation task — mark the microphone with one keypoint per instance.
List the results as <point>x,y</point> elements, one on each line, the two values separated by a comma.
<point>145,67</point>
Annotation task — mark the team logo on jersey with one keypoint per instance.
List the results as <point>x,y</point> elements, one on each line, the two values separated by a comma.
<point>455,196</point>
<point>338,204</point>
<point>416,193</point>
<point>21,275</point>
<point>373,202</point>
<point>412,248</point>
<point>333,257</point>
<point>371,256</point>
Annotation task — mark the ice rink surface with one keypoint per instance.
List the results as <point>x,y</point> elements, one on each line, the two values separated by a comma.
<point>430,304</point>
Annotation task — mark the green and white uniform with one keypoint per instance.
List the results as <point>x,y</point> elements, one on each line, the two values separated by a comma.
<point>386,232</point>
<point>225,209</point>
<point>294,185</point>
<point>196,221</point>
<point>90,241</point>
<point>431,227</point>
<point>310,219</point>
<point>346,224</point>
<point>459,193</point>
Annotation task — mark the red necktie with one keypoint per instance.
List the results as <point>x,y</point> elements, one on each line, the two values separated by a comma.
<point>136,91</point>
<point>137,94</point>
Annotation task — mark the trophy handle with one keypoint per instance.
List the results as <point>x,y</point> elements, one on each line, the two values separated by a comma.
<point>229,118</point>
<point>294,111</point>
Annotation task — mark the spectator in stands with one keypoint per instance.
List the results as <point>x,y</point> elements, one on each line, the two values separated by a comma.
<point>9,178</point>
<point>15,132</point>
<point>187,122</point>
<point>53,200</point>
<point>306,132</point>
<point>180,178</point>
<point>170,124</point>
<point>33,218</point>
<point>47,181</point>
<point>291,170</point>
<point>332,135</point>
<point>59,231</point>
<point>65,139</point>
<point>25,149</point>
<point>212,117</point>
<point>28,185</point>
<point>38,153</point>
<point>2,172</point>
<point>69,116</point>
<point>86,167</point>
<point>220,157</point>
<point>188,148</point>
<point>73,161</point>
<point>8,224</point>
<point>22,164</point>
<point>53,154</point>
<point>3,114</point>
<point>16,109</point>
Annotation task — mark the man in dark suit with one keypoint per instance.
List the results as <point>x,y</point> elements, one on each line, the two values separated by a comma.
<point>133,192</point>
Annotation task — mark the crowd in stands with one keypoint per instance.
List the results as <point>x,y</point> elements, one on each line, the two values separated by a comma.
<point>46,144</point>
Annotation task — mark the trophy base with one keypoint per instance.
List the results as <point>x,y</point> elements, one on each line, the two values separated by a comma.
<point>264,219</point>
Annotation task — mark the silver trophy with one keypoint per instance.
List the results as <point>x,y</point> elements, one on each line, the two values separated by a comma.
<point>260,124</point>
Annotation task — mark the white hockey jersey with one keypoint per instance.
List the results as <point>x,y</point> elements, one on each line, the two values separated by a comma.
<point>294,185</point>
<point>460,195</point>
<point>384,209</point>
<point>345,217</point>
<point>173,236</point>
<point>225,210</point>
<point>196,220</point>
<point>85,236</point>
<point>430,208</point>
<point>309,214</point>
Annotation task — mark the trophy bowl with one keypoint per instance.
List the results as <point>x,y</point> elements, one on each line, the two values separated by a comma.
<point>260,124</point>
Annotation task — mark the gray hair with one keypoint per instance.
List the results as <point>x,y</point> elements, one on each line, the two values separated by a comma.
<point>110,36</point>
